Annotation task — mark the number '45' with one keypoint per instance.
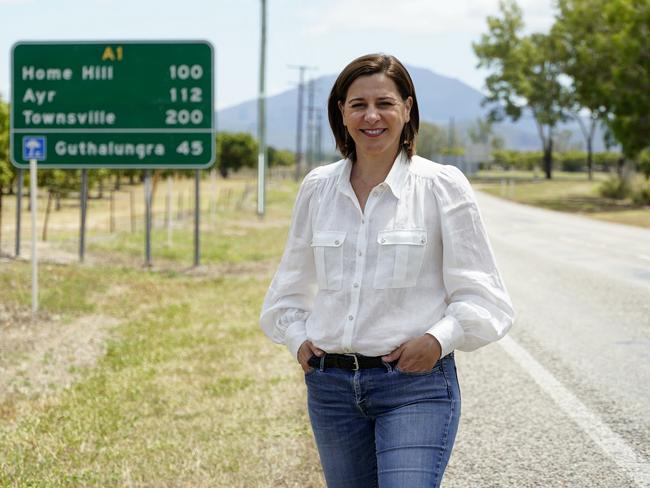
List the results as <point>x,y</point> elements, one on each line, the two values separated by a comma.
<point>195,148</point>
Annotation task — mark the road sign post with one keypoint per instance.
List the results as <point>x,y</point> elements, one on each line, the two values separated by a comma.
<point>33,188</point>
<point>197,218</point>
<point>83,205</point>
<point>19,208</point>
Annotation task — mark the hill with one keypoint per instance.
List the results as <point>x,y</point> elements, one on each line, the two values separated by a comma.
<point>440,99</point>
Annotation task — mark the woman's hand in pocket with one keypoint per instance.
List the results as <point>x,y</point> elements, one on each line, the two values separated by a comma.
<point>305,352</point>
<point>417,355</point>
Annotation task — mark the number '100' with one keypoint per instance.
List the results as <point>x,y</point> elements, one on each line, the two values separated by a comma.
<point>183,117</point>
<point>183,71</point>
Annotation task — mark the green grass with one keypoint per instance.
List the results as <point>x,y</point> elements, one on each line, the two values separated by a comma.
<point>216,246</point>
<point>62,289</point>
<point>191,394</point>
<point>566,192</point>
<point>522,175</point>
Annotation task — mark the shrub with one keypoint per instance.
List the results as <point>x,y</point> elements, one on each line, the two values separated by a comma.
<point>644,163</point>
<point>641,196</point>
<point>574,161</point>
<point>522,160</point>
<point>614,187</point>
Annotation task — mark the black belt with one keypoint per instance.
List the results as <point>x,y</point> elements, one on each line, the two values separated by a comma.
<point>351,361</point>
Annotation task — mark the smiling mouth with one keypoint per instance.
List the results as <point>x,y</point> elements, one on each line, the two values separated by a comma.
<point>373,132</point>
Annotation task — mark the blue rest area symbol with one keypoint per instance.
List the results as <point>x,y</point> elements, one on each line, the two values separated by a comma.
<point>34,147</point>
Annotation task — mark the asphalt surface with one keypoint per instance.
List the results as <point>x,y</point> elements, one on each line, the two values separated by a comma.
<point>577,412</point>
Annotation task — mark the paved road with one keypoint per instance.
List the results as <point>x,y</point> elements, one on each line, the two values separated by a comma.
<point>565,400</point>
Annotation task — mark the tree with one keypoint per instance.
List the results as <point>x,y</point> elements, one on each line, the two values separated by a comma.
<point>564,142</point>
<point>525,75</point>
<point>6,169</point>
<point>584,55</point>
<point>431,140</point>
<point>480,132</point>
<point>235,151</point>
<point>629,118</point>
<point>482,135</point>
<point>280,157</point>
<point>604,52</point>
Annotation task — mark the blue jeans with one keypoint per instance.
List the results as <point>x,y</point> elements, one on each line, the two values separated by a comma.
<point>382,427</point>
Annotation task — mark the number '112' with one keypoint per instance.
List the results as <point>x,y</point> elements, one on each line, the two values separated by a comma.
<point>193,95</point>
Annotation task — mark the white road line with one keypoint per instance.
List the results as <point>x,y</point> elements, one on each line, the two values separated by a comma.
<point>609,441</point>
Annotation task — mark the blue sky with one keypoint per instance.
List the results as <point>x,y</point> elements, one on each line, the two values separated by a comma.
<point>326,34</point>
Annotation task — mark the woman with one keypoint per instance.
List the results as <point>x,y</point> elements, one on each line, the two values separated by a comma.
<point>387,270</point>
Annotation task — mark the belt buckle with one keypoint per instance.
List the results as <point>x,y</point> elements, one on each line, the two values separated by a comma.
<point>356,360</point>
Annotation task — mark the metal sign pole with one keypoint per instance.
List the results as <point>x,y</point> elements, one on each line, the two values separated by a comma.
<point>168,213</point>
<point>147,217</point>
<point>19,208</point>
<point>83,203</point>
<point>197,216</point>
<point>33,185</point>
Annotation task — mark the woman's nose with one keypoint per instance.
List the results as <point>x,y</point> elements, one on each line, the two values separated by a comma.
<point>371,115</point>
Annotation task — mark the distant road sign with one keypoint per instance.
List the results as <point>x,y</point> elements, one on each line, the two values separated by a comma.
<point>34,148</point>
<point>119,104</point>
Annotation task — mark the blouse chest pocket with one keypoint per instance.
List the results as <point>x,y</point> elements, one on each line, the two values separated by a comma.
<point>328,257</point>
<point>400,257</point>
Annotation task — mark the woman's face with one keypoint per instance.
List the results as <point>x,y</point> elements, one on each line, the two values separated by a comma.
<point>374,114</point>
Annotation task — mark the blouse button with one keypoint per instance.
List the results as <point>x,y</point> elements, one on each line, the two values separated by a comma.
<point>337,242</point>
<point>383,241</point>
<point>423,241</point>
<point>350,317</point>
<point>356,285</point>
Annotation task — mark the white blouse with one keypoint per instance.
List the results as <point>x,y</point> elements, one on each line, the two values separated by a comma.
<point>416,261</point>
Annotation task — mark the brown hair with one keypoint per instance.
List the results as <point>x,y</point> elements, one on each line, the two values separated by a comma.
<point>367,65</point>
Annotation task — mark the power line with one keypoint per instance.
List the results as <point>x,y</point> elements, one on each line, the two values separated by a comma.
<point>310,123</point>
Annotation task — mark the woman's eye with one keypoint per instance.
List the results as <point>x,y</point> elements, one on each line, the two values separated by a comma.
<point>357,105</point>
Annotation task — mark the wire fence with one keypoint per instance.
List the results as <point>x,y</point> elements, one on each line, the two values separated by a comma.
<point>123,210</point>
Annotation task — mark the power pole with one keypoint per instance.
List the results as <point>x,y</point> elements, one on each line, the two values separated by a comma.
<point>261,119</point>
<point>299,124</point>
<point>319,137</point>
<point>310,123</point>
<point>452,135</point>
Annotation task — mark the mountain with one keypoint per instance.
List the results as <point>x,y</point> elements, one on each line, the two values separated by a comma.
<point>440,99</point>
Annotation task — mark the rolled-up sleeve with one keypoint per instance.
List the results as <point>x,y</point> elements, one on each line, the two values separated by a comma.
<point>479,309</point>
<point>289,300</point>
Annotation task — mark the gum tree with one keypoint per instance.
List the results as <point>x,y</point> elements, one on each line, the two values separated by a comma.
<point>525,75</point>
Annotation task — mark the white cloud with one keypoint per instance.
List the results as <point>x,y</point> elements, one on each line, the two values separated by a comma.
<point>421,16</point>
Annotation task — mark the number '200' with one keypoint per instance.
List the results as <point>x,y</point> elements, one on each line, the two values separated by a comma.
<point>183,117</point>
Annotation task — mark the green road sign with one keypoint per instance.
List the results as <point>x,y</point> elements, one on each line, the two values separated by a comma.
<point>115,104</point>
